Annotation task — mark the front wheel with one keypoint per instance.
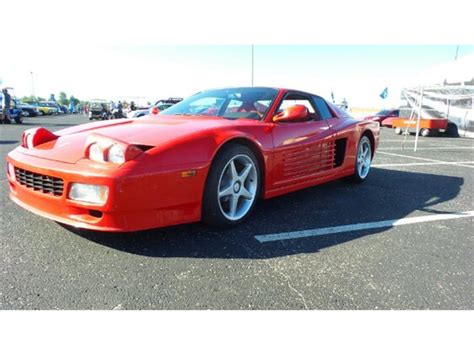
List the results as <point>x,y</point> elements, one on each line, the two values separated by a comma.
<point>363,160</point>
<point>232,187</point>
<point>425,132</point>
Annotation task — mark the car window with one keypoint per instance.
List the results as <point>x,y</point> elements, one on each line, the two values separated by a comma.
<point>232,103</point>
<point>322,108</point>
<point>293,102</point>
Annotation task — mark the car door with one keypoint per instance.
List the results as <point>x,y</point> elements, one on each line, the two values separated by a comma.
<point>302,150</point>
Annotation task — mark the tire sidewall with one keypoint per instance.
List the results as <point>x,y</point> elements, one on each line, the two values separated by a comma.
<point>356,176</point>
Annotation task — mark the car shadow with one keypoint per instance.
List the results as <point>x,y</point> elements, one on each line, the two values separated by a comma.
<point>386,195</point>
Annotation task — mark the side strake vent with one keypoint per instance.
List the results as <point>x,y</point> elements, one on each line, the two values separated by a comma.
<point>340,151</point>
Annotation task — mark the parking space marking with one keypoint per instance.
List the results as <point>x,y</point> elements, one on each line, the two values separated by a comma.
<point>416,164</point>
<point>427,148</point>
<point>264,238</point>
<point>425,159</point>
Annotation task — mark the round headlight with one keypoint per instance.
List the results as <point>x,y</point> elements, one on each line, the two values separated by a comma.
<point>95,153</point>
<point>29,141</point>
<point>116,154</point>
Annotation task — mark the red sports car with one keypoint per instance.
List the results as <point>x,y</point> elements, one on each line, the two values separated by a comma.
<point>209,157</point>
<point>384,117</point>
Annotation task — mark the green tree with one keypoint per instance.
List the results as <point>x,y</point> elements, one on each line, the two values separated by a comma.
<point>63,98</point>
<point>28,99</point>
<point>73,100</point>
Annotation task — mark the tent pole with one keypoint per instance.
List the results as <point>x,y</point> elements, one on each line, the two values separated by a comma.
<point>420,103</point>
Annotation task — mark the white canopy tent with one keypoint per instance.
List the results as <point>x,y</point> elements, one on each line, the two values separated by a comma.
<point>444,91</point>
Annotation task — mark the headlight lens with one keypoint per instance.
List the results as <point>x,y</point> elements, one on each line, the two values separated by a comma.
<point>95,153</point>
<point>116,154</point>
<point>89,193</point>
<point>29,141</point>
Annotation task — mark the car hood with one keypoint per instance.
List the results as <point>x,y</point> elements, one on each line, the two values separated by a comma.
<point>152,131</point>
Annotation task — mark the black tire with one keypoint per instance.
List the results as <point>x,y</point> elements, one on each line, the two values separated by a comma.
<point>357,177</point>
<point>398,130</point>
<point>425,132</point>
<point>211,210</point>
<point>19,119</point>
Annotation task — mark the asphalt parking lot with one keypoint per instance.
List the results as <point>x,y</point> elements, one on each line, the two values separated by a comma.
<point>424,264</point>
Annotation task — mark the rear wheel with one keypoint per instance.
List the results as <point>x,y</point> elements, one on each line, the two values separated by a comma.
<point>232,187</point>
<point>398,130</point>
<point>363,160</point>
<point>19,119</point>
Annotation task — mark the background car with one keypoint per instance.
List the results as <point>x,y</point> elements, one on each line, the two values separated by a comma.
<point>166,103</point>
<point>140,112</point>
<point>28,110</point>
<point>45,108</point>
<point>384,117</point>
<point>160,105</point>
<point>15,112</point>
<point>96,110</point>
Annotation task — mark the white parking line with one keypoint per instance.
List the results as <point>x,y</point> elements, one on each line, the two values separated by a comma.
<point>428,148</point>
<point>416,164</point>
<point>361,226</point>
<point>425,159</point>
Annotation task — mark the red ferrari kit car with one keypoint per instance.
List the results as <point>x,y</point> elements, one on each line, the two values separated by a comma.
<point>209,157</point>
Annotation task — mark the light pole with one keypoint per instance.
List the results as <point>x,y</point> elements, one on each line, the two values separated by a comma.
<point>457,51</point>
<point>252,64</point>
<point>32,85</point>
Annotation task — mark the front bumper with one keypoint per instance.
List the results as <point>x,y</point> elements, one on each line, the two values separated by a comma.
<point>135,202</point>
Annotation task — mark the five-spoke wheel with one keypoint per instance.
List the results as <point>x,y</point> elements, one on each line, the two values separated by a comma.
<point>363,159</point>
<point>232,186</point>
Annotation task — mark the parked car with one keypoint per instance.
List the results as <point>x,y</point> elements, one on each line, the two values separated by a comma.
<point>99,109</point>
<point>166,103</point>
<point>15,112</point>
<point>139,112</point>
<point>209,157</point>
<point>27,109</point>
<point>45,108</point>
<point>385,117</point>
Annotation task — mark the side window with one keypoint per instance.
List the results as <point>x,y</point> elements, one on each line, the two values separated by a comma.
<point>297,99</point>
<point>322,108</point>
<point>291,102</point>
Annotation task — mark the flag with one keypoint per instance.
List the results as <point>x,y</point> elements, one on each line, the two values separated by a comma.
<point>384,93</point>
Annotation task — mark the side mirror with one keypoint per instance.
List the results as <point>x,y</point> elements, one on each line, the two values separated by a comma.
<point>295,113</point>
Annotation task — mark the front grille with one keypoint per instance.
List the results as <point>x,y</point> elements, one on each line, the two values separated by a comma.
<point>38,182</point>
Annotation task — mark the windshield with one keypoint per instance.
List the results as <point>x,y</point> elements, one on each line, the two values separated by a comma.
<point>382,113</point>
<point>231,103</point>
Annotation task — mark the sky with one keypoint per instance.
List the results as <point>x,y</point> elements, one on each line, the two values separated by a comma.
<point>358,73</point>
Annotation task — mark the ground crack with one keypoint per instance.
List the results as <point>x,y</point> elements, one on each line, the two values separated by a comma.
<point>290,286</point>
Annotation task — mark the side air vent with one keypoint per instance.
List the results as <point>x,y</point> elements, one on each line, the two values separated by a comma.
<point>340,151</point>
